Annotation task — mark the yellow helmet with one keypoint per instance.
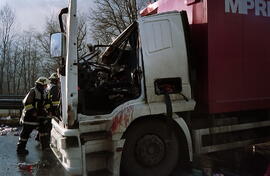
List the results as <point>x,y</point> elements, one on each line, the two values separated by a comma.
<point>53,76</point>
<point>42,81</point>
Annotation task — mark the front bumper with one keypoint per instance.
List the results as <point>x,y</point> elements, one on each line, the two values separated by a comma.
<point>70,158</point>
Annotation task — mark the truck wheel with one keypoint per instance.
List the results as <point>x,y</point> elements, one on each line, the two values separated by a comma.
<point>151,149</point>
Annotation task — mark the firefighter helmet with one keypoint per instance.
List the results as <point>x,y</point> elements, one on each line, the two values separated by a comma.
<point>42,81</point>
<point>53,76</point>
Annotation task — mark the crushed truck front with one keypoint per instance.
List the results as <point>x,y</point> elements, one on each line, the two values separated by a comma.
<point>143,74</point>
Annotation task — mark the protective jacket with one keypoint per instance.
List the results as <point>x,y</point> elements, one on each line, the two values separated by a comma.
<point>36,104</point>
<point>54,97</point>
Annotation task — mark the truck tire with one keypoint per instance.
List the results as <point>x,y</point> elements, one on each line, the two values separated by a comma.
<point>151,149</point>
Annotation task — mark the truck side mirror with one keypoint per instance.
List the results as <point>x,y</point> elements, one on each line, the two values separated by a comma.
<point>57,45</point>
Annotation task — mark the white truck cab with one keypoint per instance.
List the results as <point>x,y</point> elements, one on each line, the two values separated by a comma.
<point>120,107</point>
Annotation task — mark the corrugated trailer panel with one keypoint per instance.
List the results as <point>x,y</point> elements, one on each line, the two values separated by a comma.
<point>230,52</point>
<point>197,15</point>
<point>238,57</point>
<point>199,45</point>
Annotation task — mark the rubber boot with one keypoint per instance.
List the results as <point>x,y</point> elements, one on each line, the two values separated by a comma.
<point>21,148</point>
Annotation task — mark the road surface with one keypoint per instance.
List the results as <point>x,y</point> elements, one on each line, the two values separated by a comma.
<point>48,165</point>
<point>229,163</point>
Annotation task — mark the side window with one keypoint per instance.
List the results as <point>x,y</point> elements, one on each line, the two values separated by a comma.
<point>159,35</point>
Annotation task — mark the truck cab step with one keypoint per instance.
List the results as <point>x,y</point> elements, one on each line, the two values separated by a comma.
<point>95,135</point>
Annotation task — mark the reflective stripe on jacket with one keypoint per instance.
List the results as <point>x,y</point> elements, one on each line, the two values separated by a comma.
<point>54,96</point>
<point>34,103</point>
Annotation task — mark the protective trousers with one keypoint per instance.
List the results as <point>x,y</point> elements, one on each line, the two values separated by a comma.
<point>44,133</point>
<point>24,136</point>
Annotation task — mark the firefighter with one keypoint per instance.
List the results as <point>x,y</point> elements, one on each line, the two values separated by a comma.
<point>36,105</point>
<point>53,91</point>
<point>54,94</point>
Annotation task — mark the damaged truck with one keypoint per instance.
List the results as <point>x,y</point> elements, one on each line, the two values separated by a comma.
<point>189,77</point>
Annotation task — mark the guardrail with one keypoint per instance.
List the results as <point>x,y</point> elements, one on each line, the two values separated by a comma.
<point>11,101</point>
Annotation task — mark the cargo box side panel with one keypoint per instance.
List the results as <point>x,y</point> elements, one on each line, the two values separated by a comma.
<point>256,39</point>
<point>199,49</point>
<point>238,60</point>
<point>225,58</point>
<point>197,17</point>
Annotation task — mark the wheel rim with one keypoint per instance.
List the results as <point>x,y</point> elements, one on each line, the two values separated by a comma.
<point>150,150</point>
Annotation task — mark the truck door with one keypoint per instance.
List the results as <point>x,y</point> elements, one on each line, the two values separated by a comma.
<point>164,53</point>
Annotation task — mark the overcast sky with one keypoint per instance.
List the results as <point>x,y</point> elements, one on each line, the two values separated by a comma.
<point>33,13</point>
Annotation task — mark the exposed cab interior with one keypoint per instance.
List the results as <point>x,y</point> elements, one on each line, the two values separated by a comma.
<point>111,78</point>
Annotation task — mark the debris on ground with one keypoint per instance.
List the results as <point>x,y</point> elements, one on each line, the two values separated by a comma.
<point>16,133</point>
<point>5,118</point>
<point>9,120</point>
<point>27,166</point>
<point>5,130</point>
<point>33,166</point>
<point>3,133</point>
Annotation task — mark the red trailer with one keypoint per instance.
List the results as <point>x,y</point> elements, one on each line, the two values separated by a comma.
<point>229,41</point>
<point>134,112</point>
<point>230,63</point>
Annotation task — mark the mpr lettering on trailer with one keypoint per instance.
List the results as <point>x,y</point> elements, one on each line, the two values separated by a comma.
<point>245,7</point>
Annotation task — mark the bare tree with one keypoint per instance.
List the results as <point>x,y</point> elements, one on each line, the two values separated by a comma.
<point>110,17</point>
<point>143,3</point>
<point>50,64</point>
<point>82,35</point>
<point>7,19</point>
<point>13,68</point>
<point>25,56</point>
<point>8,70</point>
<point>15,74</point>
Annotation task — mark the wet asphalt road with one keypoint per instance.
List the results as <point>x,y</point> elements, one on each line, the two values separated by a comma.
<point>48,164</point>
<point>240,162</point>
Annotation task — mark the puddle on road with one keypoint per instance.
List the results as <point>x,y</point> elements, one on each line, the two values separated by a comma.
<point>44,162</point>
<point>250,161</point>
<point>47,165</point>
